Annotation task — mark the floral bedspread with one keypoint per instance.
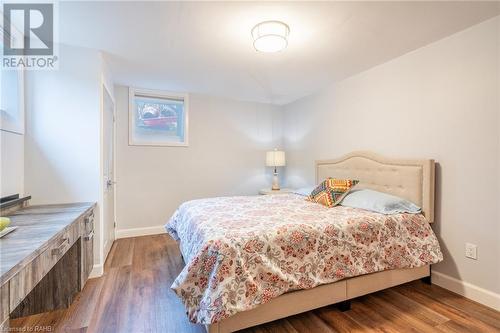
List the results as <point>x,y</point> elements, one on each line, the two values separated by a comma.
<point>244,251</point>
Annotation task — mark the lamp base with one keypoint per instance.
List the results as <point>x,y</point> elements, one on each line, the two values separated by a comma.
<point>276,184</point>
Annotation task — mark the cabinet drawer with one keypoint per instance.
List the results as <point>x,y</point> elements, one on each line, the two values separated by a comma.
<point>23,282</point>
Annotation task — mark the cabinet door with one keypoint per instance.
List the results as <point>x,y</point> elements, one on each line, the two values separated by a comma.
<point>4,309</point>
<point>89,254</point>
<point>87,251</point>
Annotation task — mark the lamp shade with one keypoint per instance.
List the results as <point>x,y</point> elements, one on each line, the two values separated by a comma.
<point>275,158</point>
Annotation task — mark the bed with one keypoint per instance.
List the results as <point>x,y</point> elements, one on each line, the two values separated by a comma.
<point>251,260</point>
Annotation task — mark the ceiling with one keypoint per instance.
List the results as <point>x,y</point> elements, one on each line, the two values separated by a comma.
<point>206,47</point>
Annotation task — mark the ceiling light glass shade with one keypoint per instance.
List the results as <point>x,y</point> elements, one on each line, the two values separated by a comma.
<point>270,36</point>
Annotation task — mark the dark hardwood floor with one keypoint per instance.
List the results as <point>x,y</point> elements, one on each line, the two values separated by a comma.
<point>134,296</point>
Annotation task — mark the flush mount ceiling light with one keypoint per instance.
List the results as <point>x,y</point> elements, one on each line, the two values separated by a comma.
<point>270,36</point>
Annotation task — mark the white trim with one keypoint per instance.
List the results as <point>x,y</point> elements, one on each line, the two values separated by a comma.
<point>102,248</point>
<point>97,271</point>
<point>107,248</point>
<point>106,245</point>
<point>466,289</point>
<point>158,94</point>
<point>135,232</point>
<point>107,86</point>
<point>99,245</point>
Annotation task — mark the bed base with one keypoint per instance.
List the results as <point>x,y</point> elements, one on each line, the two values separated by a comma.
<point>344,305</point>
<point>304,300</point>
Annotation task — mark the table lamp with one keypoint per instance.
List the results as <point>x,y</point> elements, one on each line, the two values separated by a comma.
<point>275,158</point>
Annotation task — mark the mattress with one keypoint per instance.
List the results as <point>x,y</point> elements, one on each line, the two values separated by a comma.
<point>241,252</point>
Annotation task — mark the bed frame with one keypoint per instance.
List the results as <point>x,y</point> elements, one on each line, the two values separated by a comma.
<point>409,179</point>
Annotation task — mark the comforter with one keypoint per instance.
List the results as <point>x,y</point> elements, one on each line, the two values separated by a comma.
<point>241,252</point>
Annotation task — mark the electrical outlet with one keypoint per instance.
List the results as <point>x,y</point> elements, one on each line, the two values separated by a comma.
<point>471,251</point>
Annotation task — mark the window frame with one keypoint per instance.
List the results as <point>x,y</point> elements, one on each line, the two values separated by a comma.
<point>157,94</point>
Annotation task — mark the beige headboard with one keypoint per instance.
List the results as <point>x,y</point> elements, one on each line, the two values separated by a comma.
<point>409,179</point>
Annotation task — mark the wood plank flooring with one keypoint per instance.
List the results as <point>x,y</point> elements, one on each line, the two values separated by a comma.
<point>134,296</point>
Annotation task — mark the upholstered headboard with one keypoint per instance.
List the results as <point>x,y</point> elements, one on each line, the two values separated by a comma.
<point>409,179</point>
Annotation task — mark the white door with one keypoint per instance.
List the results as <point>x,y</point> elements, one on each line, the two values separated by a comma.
<point>109,168</point>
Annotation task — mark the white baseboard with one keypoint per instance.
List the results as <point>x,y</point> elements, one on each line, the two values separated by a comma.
<point>135,232</point>
<point>107,248</point>
<point>468,290</point>
<point>97,271</point>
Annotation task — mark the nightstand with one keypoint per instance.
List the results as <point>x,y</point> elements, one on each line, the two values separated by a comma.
<point>267,191</point>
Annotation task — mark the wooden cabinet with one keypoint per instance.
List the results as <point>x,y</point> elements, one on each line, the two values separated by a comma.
<point>47,260</point>
<point>4,307</point>
<point>87,247</point>
<point>29,276</point>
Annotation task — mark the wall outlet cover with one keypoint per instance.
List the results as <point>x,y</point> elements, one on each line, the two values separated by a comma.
<point>471,251</point>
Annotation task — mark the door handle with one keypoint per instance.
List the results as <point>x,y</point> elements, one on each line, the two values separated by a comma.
<point>60,249</point>
<point>110,183</point>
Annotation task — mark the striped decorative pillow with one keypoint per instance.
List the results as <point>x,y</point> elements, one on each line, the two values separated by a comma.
<point>331,191</point>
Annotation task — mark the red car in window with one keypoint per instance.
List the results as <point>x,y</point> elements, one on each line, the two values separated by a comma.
<point>151,116</point>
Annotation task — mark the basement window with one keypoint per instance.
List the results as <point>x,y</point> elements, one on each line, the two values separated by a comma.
<point>158,118</point>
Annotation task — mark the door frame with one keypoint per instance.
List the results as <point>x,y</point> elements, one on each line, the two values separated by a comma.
<point>103,251</point>
<point>105,92</point>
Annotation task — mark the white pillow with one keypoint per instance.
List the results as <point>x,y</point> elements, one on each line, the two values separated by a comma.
<point>379,202</point>
<point>305,191</point>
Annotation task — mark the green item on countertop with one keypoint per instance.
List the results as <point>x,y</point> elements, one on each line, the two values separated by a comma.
<point>4,222</point>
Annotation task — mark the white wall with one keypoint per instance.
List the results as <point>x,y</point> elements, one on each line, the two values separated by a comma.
<point>226,156</point>
<point>12,129</point>
<point>440,102</point>
<point>11,163</point>
<point>63,133</point>
<point>62,129</point>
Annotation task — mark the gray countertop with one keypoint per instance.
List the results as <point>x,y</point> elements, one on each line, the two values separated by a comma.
<point>37,225</point>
